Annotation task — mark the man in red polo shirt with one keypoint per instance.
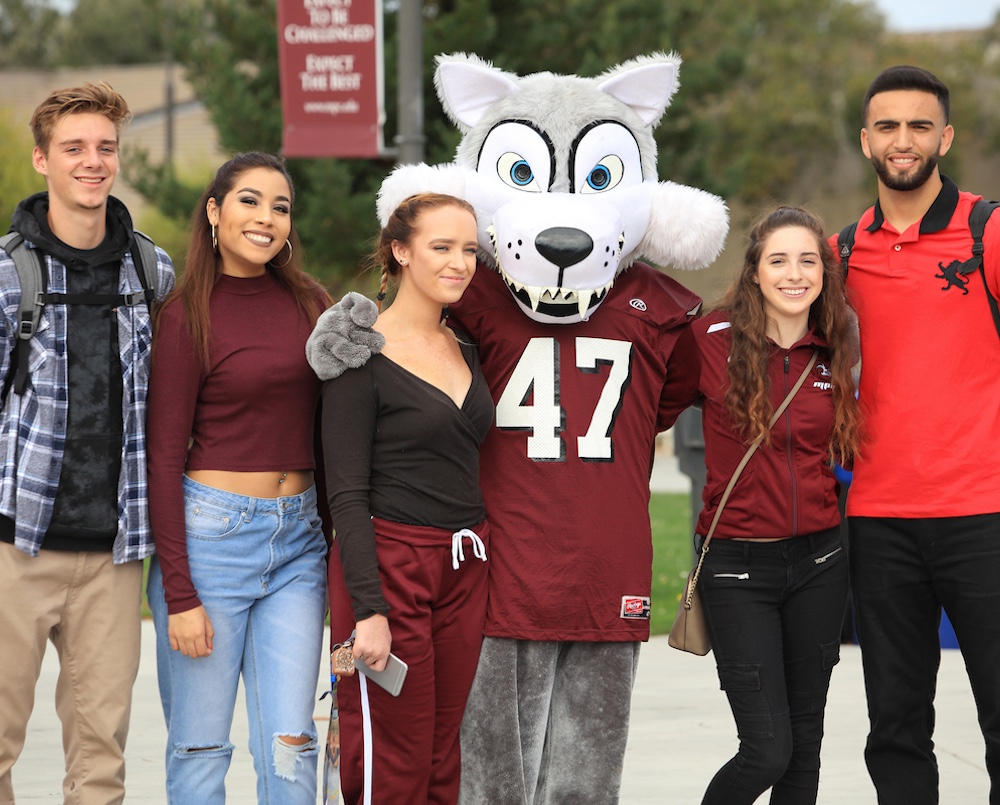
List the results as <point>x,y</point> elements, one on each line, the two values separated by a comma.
<point>924,504</point>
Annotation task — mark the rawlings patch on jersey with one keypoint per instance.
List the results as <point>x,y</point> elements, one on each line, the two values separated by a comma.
<point>635,607</point>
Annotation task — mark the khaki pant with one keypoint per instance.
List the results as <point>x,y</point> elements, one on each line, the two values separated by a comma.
<point>89,609</point>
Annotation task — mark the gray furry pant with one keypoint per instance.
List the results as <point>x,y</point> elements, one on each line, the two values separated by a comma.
<point>547,723</point>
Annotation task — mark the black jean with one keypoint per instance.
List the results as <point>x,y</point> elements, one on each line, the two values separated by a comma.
<point>774,612</point>
<point>902,572</point>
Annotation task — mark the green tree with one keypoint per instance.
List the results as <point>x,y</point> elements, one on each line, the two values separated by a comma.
<point>18,179</point>
<point>45,34</point>
<point>112,32</point>
<point>769,96</point>
<point>25,33</point>
<point>761,84</point>
<point>230,51</point>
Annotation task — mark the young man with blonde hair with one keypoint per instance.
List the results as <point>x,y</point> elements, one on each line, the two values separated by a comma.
<point>74,525</point>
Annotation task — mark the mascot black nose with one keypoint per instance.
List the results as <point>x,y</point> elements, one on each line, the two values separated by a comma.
<point>564,246</point>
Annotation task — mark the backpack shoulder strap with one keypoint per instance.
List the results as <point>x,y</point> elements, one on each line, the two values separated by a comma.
<point>28,264</point>
<point>144,256</point>
<point>845,244</point>
<point>981,212</point>
<point>30,268</point>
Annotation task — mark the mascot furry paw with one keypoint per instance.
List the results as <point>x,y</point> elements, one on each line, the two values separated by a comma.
<point>584,350</point>
<point>343,337</point>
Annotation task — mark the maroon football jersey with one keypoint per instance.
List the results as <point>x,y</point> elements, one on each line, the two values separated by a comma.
<point>565,469</point>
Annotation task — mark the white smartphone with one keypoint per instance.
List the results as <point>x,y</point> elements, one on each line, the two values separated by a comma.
<point>391,678</point>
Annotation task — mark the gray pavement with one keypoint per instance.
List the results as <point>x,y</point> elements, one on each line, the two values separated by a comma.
<point>38,773</point>
<point>681,729</point>
<point>681,732</point>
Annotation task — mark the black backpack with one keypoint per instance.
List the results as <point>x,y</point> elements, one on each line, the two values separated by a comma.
<point>980,214</point>
<point>32,274</point>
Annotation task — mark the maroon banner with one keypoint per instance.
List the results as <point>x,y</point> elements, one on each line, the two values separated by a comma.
<point>330,57</point>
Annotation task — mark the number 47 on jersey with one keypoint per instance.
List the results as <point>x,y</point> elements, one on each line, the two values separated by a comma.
<point>537,378</point>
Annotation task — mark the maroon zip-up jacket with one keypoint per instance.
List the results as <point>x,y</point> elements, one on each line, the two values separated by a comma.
<point>788,487</point>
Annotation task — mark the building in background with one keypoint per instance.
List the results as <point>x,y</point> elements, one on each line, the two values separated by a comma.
<point>195,141</point>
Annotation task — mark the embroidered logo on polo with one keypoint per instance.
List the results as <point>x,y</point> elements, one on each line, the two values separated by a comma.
<point>635,607</point>
<point>638,304</point>
<point>950,274</point>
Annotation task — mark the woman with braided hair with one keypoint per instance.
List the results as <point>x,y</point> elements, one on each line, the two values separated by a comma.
<point>408,566</point>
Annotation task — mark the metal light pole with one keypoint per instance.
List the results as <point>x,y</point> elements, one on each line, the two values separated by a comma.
<point>168,34</point>
<point>410,84</point>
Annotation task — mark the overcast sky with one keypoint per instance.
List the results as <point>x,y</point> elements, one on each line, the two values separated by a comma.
<point>938,15</point>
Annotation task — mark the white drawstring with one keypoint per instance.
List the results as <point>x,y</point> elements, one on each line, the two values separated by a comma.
<point>366,731</point>
<point>458,551</point>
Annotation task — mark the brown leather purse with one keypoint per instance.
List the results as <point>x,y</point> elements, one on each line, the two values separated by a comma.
<point>690,629</point>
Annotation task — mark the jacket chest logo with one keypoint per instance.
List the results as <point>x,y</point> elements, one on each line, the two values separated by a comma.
<point>825,374</point>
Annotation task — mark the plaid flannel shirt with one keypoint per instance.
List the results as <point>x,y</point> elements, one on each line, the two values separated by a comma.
<point>33,425</point>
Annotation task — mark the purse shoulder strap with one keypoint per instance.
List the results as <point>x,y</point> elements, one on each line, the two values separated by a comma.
<point>739,469</point>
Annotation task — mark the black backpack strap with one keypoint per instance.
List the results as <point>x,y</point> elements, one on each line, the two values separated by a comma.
<point>144,257</point>
<point>981,212</point>
<point>143,252</point>
<point>31,275</point>
<point>29,265</point>
<point>845,244</point>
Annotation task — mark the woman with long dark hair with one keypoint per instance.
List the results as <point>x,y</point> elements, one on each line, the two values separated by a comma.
<point>774,580</point>
<point>239,581</point>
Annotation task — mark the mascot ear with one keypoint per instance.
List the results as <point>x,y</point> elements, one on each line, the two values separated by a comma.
<point>467,86</point>
<point>407,180</point>
<point>645,84</point>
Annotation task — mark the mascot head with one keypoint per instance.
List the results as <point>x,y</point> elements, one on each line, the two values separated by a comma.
<point>562,173</point>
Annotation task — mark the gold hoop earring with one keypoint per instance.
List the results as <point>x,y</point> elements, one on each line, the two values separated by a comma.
<point>215,240</point>
<point>288,243</point>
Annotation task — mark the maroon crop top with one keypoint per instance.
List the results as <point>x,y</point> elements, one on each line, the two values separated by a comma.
<point>252,409</point>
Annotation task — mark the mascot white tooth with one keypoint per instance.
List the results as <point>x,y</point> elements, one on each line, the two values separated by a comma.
<point>585,352</point>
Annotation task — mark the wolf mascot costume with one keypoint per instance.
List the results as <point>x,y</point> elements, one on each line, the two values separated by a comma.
<point>584,351</point>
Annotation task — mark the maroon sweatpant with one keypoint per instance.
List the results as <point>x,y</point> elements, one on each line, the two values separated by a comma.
<point>436,616</point>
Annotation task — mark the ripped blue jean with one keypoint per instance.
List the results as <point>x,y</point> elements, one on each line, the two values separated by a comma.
<point>259,567</point>
<point>774,611</point>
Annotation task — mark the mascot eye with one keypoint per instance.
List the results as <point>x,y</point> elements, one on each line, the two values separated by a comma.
<point>605,175</point>
<point>514,170</point>
<point>599,178</point>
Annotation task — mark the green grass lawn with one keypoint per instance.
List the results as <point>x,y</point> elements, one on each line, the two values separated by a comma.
<point>670,515</point>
